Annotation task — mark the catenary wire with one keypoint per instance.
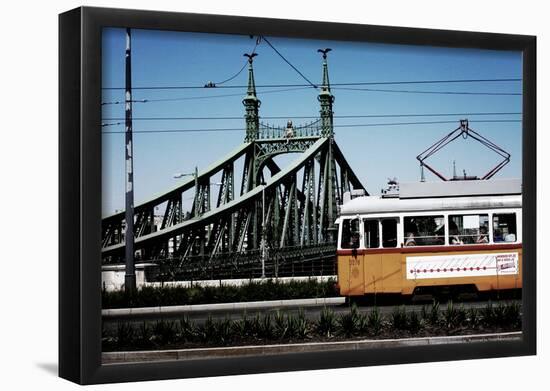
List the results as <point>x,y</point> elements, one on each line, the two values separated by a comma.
<point>336,126</point>
<point>398,82</point>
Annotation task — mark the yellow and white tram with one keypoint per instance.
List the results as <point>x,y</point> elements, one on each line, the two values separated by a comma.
<point>431,236</point>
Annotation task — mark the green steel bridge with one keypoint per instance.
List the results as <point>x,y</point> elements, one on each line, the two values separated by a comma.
<point>274,221</point>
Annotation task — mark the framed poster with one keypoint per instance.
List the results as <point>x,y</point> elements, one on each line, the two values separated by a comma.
<point>245,195</point>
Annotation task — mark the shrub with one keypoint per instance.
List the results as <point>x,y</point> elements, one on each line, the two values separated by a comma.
<point>374,321</point>
<point>512,315</point>
<point>473,317</point>
<point>239,326</point>
<point>280,326</point>
<point>414,322</point>
<point>454,317</point>
<point>255,290</point>
<point>206,332</point>
<point>223,333</point>
<point>124,335</point>
<point>399,319</point>
<point>266,327</point>
<point>186,330</point>
<point>491,314</point>
<point>431,314</point>
<point>164,332</point>
<point>502,315</point>
<point>292,326</point>
<point>326,325</point>
<point>143,336</point>
<point>302,326</point>
<point>349,323</point>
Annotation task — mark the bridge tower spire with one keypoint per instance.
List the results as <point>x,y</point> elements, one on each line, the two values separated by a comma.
<point>251,103</point>
<point>326,99</point>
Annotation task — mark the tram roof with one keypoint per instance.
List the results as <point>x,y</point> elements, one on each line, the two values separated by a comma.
<point>461,188</point>
<point>441,196</point>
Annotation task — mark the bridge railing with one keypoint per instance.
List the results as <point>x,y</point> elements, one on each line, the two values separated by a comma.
<point>311,129</point>
<point>296,261</point>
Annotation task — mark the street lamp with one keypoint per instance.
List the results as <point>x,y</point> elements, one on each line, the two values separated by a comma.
<point>195,175</point>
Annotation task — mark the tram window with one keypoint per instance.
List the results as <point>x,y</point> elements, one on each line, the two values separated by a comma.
<point>389,233</point>
<point>424,230</point>
<point>469,229</point>
<point>372,239</point>
<point>350,233</point>
<point>504,227</point>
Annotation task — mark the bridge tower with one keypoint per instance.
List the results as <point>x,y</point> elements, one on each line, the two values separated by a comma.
<point>328,181</point>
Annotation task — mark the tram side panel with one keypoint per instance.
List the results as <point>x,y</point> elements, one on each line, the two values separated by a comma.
<point>402,271</point>
<point>487,269</point>
<point>351,273</point>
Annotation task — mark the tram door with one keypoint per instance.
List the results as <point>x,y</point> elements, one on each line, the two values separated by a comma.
<point>372,260</point>
<point>391,268</point>
<point>351,275</point>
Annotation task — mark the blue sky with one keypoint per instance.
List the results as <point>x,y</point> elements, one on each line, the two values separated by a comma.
<point>161,58</point>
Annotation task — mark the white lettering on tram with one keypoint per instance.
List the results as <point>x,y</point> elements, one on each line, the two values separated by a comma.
<point>467,265</point>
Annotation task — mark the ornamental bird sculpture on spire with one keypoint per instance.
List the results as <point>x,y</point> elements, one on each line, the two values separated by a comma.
<point>324,52</point>
<point>250,56</point>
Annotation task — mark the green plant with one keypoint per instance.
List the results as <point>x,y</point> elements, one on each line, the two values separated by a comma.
<point>302,326</point>
<point>326,325</point>
<point>124,334</point>
<point>374,321</point>
<point>349,323</point>
<point>492,315</point>
<point>223,331</point>
<point>292,326</point>
<point>143,337</point>
<point>399,319</point>
<point>473,317</point>
<point>266,330</point>
<point>206,332</point>
<point>239,326</point>
<point>512,315</point>
<point>255,290</point>
<point>414,323</point>
<point>186,329</point>
<point>453,317</point>
<point>280,325</point>
<point>431,314</point>
<point>164,332</point>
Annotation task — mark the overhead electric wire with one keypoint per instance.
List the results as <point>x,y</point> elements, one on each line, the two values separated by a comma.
<point>174,87</point>
<point>201,97</point>
<point>217,85</point>
<point>429,92</point>
<point>336,126</point>
<point>312,116</point>
<point>288,62</point>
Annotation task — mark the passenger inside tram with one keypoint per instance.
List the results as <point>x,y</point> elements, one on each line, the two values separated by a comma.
<point>410,240</point>
<point>482,237</point>
<point>454,237</point>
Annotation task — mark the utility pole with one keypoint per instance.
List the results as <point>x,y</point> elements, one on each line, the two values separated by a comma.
<point>263,239</point>
<point>130,273</point>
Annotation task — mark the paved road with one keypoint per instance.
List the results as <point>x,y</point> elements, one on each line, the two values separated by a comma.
<point>311,313</point>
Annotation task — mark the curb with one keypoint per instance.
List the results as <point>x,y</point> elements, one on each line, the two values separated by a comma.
<point>263,350</point>
<point>251,305</point>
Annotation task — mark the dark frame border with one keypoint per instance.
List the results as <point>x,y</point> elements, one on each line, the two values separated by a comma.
<point>80,193</point>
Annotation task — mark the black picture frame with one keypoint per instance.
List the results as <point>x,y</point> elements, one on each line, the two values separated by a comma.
<point>80,194</point>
